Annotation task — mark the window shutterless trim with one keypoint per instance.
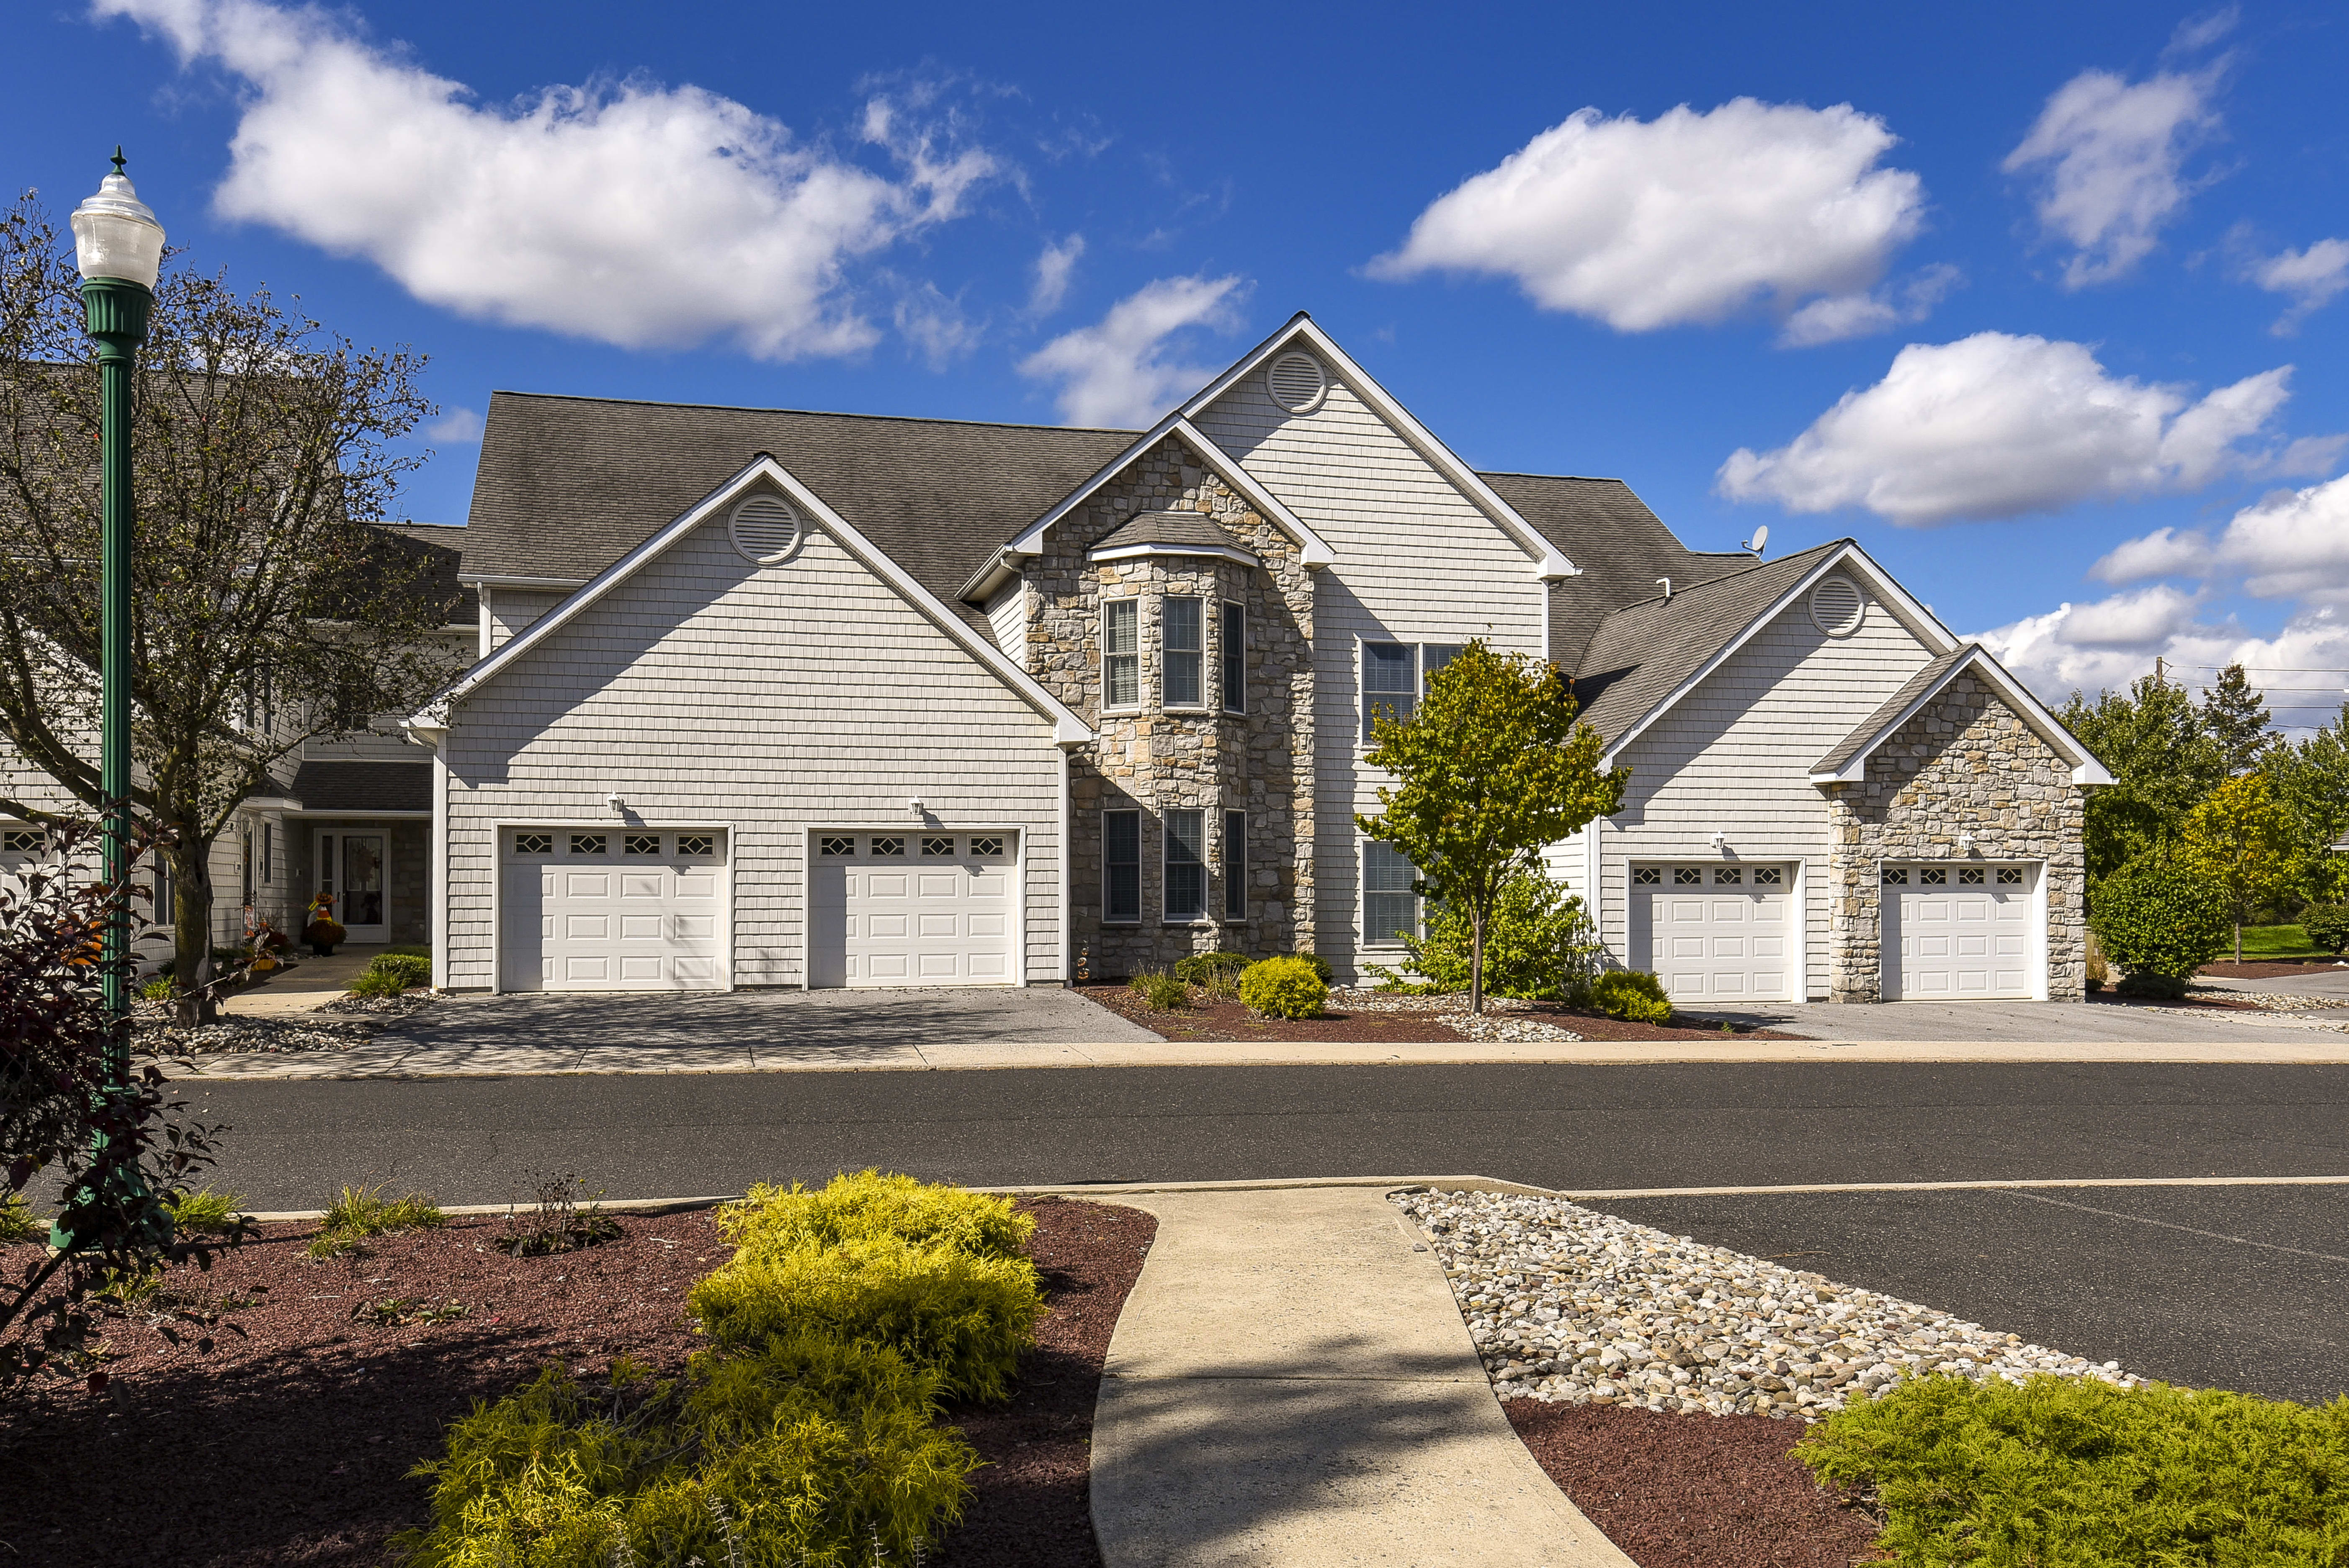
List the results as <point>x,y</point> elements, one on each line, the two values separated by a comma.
<point>1235,865</point>
<point>1120,853</point>
<point>1390,685</point>
<point>1121,642</point>
<point>1391,859</point>
<point>1233,658</point>
<point>1182,651</point>
<point>1185,891</point>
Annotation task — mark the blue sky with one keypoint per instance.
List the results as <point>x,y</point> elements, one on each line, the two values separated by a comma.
<point>2043,303</point>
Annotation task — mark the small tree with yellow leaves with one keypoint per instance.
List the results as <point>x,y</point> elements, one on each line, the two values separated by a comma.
<point>2241,839</point>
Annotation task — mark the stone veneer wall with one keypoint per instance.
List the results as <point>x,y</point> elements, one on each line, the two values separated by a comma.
<point>1965,764</point>
<point>1261,762</point>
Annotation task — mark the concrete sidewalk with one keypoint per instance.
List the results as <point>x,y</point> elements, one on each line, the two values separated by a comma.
<point>395,1057</point>
<point>1291,1383</point>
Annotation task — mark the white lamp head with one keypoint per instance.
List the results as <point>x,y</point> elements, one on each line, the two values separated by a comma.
<point>619,807</point>
<point>1720,840</point>
<point>116,234</point>
<point>914,805</point>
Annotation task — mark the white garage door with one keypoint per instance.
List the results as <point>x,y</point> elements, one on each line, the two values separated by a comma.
<point>1714,932</point>
<point>913,909</point>
<point>600,909</point>
<point>1958,932</point>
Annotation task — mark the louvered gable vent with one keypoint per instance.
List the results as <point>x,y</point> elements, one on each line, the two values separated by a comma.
<point>1297,382</point>
<point>766,529</point>
<point>1836,606</point>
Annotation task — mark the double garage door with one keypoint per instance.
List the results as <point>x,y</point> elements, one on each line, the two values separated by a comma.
<point>615,910</point>
<point>1960,933</point>
<point>1714,932</point>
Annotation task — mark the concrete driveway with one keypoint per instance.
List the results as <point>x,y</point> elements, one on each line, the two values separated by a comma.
<point>737,1030</point>
<point>1984,1023</point>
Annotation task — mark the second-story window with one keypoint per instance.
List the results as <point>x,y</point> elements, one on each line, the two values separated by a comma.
<point>1121,652</point>
<point>1390,684</point>
<point>1180,623</point>
<point>1234,658</point>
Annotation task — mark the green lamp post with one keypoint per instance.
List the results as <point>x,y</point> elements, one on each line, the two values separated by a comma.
<point>119,249</point>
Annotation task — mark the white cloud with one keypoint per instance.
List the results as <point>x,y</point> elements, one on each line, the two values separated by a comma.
<point>1115,371</point>
<point>1839,317</point>
<point>1054,267</point>
<point>1688,217</point>
<point>457,426</point>
<point>936,325</point>
<point>2110,156</point>
<point>2310,277</point>
<point>632,213</point>
<point>1995,426</point>
<point>2292,544</point>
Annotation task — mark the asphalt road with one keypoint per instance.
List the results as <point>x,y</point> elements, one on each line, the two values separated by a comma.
<point>2234,1286</point>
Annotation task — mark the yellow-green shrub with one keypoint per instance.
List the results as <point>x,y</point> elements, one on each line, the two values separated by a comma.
<point>1632,994</point>
<point>2074,1471</point>
<point>773,1220</point>
<point>807,1450</point>
<point>1287,987</point>
<point>964,1315</point>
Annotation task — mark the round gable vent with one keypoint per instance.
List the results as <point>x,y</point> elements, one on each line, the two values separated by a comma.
<point>765,529</point>
<point>1297,382</point>
<point>1836,606</point>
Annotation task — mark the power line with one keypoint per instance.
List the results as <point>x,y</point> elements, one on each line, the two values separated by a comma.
<point>2276,669</point>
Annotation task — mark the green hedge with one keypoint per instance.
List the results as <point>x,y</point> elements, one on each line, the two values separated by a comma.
<point>2326,926</point>
<point>1631,994</point>
<point>807,1433</point>
<point>2077,1473</point>
<point>1200,968</point>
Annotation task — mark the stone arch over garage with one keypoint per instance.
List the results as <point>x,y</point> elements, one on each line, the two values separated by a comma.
<point>1964,764</point>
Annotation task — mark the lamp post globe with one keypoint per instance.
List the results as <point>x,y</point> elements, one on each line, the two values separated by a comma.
<point>118,249</point>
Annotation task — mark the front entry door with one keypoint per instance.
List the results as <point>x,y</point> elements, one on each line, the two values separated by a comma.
<point>351,871</point>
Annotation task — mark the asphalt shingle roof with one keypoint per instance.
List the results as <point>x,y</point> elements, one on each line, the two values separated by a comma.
<point>362,786</point>
<point>1179,529</point>
<point>1639,654</point>
<point>569,485</point>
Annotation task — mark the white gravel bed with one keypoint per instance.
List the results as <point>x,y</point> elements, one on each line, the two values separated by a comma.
<point>335,1026</point>
<point>1450,1009</point>
<point>2275,1001</point>
<point>1573,1306</point>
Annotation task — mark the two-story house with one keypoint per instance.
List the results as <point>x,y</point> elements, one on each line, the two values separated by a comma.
<point>781,698</point>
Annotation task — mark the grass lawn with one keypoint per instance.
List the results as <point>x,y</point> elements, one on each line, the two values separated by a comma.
<point>2275,942</point>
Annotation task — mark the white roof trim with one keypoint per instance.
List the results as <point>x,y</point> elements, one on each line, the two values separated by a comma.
<point>1549,560</point>
<point>1067,729</point>
<point>1134,552</point>
<point>2085,768</point>
<point>491,580</point>
<point>1845,554</point>
<point>1030,540</point>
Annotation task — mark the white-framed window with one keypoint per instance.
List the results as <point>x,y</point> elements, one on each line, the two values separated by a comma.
<point>1122,868</point>
<point>1235,865</point>
<point>1395,677</point>
<point>1186,865</point>
<point>1183,649</point>
<point>1121,652</point>
<point>1234,658</point>
<point>1390,907</point>
<point>268,853</point>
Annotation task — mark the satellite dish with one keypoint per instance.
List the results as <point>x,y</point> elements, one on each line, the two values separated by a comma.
<point>1760,537</point>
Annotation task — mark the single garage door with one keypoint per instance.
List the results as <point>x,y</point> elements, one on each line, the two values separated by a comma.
<point>600,909</point>
<point>913,909</point>
<point>1960,933</point>
<point>1714,932</point>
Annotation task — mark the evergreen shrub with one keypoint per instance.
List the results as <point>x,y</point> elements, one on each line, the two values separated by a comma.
<point>2326,925</point>
<point>389,974</point>
<point>1287,987</point>
<point>2078,1472</point>
<point>1540,944</point>
<point>771,1220</point>
<point>1631,994</point>
<point>1205,968</point>
<point>2156,915</point>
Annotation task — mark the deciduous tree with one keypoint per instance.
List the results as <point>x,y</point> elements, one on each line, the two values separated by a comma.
<point>268,606</point>
<point>2162,760</point>
<point>2240,839</point>
<point>1490,769</point>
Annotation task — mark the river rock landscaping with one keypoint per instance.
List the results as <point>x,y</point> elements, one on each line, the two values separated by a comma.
<point>269,1412</point>
<point>1361,1015</point>
<point>1570,1305</point>
<point>335,1026</point>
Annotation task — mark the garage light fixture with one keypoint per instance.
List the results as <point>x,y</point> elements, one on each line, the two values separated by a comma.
<point>1965,843</point>
<point>1720,840</point>
<point>619,807</point>
<point>914,805</point>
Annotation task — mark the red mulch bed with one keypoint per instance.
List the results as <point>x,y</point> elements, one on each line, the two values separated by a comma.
<point>1695,1491</point>
<point>2269,968</point>
<point>1229,1020</point>
<point>290,1443</point>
